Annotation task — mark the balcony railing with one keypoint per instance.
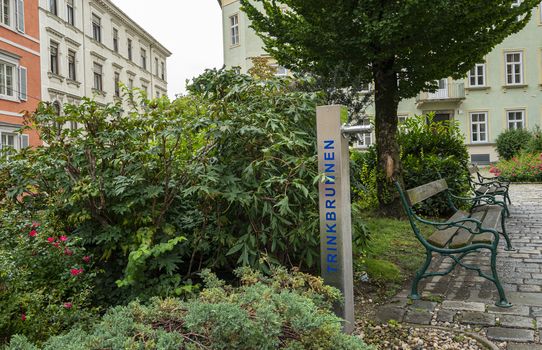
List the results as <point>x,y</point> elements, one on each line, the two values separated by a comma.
<point>450,92</point>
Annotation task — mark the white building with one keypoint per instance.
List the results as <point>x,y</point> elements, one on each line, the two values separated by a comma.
<point>89,46</point>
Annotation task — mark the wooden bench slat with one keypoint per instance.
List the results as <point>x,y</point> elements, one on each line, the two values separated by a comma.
<point>440,238</point>
<point>463,237</point>
<point>493,217</point>
<point>421,193</point>
<point>483,238</point>
<point>473,169</point>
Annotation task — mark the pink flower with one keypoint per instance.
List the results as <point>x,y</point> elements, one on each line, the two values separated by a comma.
<point>33,233</point>
<point>23,317</point>
<point>35,224</point>
<point>50,239</point>
<point>68,252</point>
<point>76,272</point>
<point>56,244</point>
<point>63,238</point>
<point>68,305</point>
<point>86,259</point>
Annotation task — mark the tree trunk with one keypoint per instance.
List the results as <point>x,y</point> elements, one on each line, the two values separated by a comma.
<point>387,147</point>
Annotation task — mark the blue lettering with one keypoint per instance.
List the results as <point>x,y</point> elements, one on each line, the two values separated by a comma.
<point>331,228</point>
<point>331,216</point>
<point>329,144</point>
<point>332,258</point>
<point>330,204</point>
<point>330,168</point>
<point>329,156</point>
<point>330,191</point>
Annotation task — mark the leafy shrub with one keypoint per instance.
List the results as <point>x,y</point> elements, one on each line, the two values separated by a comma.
<point>282,312</point>
<point>222,177</point>
<point>363,178</point>
<point>45,277</point>
<point>535,144</point>
<point>525,167</point>
<point>512,141</point>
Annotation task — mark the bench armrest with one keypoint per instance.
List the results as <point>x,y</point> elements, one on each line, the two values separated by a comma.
<point>487,199</point>
<point>492,180</point>
<point>458,223</point>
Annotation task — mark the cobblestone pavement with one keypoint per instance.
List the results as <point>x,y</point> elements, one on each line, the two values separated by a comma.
<point>464,300</point>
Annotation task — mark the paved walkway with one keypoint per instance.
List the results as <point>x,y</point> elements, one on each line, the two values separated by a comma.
<point>463,299</point>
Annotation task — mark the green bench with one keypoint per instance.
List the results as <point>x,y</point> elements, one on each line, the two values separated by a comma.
<point>461,235</point>
<point>489,186</point>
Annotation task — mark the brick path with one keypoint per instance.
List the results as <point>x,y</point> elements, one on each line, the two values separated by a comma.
<point>463,299</point>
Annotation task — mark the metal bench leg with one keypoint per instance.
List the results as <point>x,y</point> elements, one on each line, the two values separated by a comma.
<point>503,302</point>
<point>419,275</point>
<point>508,198</point>
<point>505,234</point>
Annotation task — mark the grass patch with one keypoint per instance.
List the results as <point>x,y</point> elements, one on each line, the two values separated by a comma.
<point>394,253</point>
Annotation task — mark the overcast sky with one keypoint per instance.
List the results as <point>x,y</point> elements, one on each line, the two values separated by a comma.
<point>190,29</point>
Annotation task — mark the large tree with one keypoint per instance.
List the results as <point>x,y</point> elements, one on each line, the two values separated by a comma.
<point>402,46</point>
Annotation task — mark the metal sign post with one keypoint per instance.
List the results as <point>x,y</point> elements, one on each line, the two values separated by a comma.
<point>335,206</point>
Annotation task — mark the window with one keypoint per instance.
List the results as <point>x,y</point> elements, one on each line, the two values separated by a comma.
<point>515,119</point>
<point>146,89</point>
<point>13,140</point>
<point>53,58</point>
<point>514,68</point>
<point>401,119</point>
<point>478,122</point>
<point>96,28</point>
<point>8,140</point>
<point>130,83</point>
<point>5,16</point>
<point>477,75</point>
<point>98,73</point>
<point>365,140</point>
<point>71,66</point>
<point>156,66</point>
<point>234,29</point>
<point>117,84</point>
<point>115,40</point>
<point>7,79</point>
<point>163,71</point>
<point>70,14</point>
<point>53,7</point>
<point>281,71</point>
<point>143,59</point>
<point>130,49</point>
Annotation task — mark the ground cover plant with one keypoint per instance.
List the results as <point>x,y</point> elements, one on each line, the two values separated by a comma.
<point>284,311</point>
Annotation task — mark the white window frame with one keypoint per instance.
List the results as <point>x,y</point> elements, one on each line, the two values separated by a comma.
<point>115,39</point>
<point>97,74</point>
<point>143,58</point>
<point>367,139</point>
<point>476,76</point>
<point>72,54</point>
<point>53,7</point>
<point>401,119</point>
<point>514,66</point>
<point>234,30</point>
<point>9,12</point>
<point>70,12</point>
<point>15,79</point>
<point>96,22</point>
<point>476,126</point>
<point>514,123</point>
<point>20,141</point>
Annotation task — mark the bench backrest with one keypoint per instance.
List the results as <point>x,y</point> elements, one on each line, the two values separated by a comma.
<point>421,193</point>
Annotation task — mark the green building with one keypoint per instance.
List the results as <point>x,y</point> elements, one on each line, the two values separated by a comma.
<point>502,92</point>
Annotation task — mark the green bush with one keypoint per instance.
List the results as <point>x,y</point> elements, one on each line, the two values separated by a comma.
<point>525,167</point>
<point>535,144</point>
<point>512,141</point>
<point>222,177</point>
<point>283,312</point>
<point>46,277</point>
<point>428,150</point>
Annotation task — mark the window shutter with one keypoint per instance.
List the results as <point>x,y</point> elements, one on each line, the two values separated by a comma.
<point>19,9</point>
<point>24,141</point>
<point>23,83</point>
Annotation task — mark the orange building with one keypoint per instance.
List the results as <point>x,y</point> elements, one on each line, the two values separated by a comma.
<point>20,84</point>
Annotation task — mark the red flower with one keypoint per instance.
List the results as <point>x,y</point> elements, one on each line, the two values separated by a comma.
<point>76,272</point>
<point>63,238</point>
<point>33,233</point>
<point>68,252</point>
<point>23,317</point>
<point>35,224</point>
<point>50,239</point>
<point>86,259</point>
<point>56,244</point>
<point>68,305</point>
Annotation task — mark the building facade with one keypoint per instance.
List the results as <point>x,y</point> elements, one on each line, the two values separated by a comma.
<point>502,92</point>
<point>88,47</point>
<point>20,86</point>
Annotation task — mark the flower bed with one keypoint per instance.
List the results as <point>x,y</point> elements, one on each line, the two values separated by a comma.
<point>525,167</point>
